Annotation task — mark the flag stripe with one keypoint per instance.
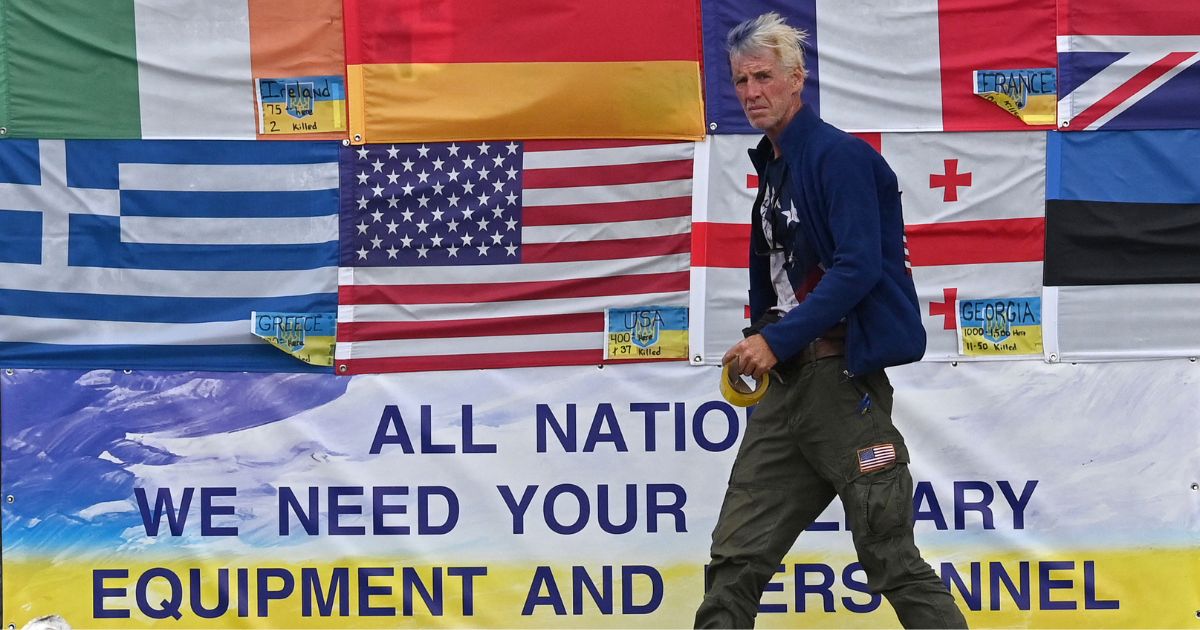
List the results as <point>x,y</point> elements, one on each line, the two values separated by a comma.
<point>306,40</point>
<point>229,231</point>
<point>855,36</point>
<point>152,309</point>
<point>975,242</point>
<point>1100,243</point>
<point>608,194</point>
<point>208,45</point>
<point>534,100</point>
<point>977,35</point>
<point>950,243</point>
<point>166,282</point>
<point>593,212</point>
<point>96,242</point>
<point>579,146</point>
<point>721,245</point>
<point>528,358</point>
<point>607,250</point>
<point>254,355</point>
<point>1126,90</point>
<point>76,332</point>
<point>99,163</point>
<point>496,344</point>
<point>473,327</point>
<point>550,154</point>
<point>282,203</point>
<point>506,291</point>
<point>366,312</point>
<point>616,230</point>
<point>470,31</point>
<point>1154,166</point>
<point>1120,17</point>
<point>1130,321</point>
<point>557,270</point>
<point>607,175</point>
<point>227,178</point>
<point>56,51</point>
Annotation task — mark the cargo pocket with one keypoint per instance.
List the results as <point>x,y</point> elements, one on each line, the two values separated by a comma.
<point>884,500</point>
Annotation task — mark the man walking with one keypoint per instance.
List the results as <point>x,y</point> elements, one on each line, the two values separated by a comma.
<point>832,304</point>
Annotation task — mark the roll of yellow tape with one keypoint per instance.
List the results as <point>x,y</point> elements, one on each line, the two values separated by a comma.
<point>737,392</point>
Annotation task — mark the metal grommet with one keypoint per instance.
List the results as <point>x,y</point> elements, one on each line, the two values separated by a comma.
<point>9,371</point>
<point>1065,124</point>
<point>954,364</point>
<point>3,131</point>
<point>10,498</point>
<point>358,137</point>
<point>1192,359</point>
<point>127,371</point>
<point>345,142</point>
<point>1053,358</point>
<point>343,367</point>
<point>697,359</point>
<point>600,367</point>
<point>712,126</point>
<point>1195,486</point>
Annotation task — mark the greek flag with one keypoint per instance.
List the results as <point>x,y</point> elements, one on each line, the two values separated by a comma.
<point>152,254</point>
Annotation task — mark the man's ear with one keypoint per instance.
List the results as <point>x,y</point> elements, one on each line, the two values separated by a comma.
<point>798,75</point>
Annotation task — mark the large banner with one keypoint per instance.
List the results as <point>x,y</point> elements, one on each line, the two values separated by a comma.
<point>1047,495</point>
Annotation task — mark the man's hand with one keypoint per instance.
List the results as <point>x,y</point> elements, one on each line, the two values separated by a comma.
<point>751,356</point>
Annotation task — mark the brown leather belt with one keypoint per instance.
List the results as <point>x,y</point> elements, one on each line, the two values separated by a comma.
<point>821,348</point>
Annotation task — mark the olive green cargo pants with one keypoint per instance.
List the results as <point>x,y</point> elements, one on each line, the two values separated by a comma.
<point>803,445</point>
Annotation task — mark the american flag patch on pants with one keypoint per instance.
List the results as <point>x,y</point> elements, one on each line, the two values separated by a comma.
<point>876,457</point>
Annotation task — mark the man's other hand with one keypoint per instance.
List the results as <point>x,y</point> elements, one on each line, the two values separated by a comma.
<point>751,356</point>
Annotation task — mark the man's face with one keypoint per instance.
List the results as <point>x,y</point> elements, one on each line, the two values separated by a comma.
<point>769,94</point>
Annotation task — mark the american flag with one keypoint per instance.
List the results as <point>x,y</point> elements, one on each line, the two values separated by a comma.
<point>153,253</point>
<point>876,457</point>
<point>505,254</point>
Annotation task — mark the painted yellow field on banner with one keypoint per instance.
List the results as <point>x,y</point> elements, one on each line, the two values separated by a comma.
<point>421,102</point>
<point>1084,588</point>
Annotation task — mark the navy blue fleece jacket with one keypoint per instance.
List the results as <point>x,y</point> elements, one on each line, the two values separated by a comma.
<point>849,220</point>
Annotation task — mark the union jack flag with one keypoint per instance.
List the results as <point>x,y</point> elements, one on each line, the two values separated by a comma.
<point>1126,65</point>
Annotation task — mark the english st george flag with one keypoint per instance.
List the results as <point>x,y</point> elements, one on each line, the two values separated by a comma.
<point>888,65</point>
<point>973,209</point>
<point>505,254</point>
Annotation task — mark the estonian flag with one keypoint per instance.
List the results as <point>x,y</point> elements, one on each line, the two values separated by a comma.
<point>1123,245</point>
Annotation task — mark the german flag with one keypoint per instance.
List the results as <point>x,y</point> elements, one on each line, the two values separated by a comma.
<point>420,71</point>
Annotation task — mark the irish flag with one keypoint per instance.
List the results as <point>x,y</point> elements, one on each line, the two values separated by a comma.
<point>480,69</point>
<point>156,68</point>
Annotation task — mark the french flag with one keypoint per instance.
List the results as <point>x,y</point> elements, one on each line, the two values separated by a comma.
<point>891,65</point>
